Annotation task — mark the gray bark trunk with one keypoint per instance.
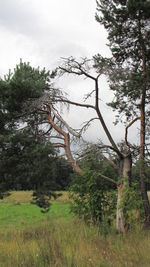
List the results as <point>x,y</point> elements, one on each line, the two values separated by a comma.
<point>125,172</point>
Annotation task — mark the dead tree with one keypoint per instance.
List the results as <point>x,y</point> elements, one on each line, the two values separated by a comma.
<point>83,68</point>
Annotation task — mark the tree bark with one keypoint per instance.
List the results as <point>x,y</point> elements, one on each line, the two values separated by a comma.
<point>142,155</point>
<point>66,145</point>
<point>142,130</point>
<point>144,194</point>
<point>69,156</point>
<point>125,181</point>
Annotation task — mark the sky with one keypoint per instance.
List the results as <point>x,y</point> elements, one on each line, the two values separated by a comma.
<point>42,32</point>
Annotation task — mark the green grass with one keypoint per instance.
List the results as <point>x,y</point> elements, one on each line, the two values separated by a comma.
<point>24,214</point>
<point>57,239</point>
<point>17,211</point>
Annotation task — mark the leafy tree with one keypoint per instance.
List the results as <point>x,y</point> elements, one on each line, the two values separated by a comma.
<point>94,199</point>
<point>128,26</point>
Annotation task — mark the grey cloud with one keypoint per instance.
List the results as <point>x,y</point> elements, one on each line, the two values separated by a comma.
<point>52,53</point>
<point>18,16</point>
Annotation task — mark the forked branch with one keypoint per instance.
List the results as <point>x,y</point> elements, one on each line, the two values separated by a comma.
<point>126,130</point>
<point>66,144</point>
<point>84,67</point>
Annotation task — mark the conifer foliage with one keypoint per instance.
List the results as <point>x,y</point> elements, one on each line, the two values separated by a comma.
<point>128,27</point>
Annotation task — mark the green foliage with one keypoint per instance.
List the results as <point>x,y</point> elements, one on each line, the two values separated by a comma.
<point>26,164</point>
<point>127,23</point>
<point>92,198</point>
<point>132,205</point>
<point>20,160</point>
<point>27,159</point>
<point>142,6</point>
<point>146,172</point>
<point>23,84</point>
<point>42,199</point>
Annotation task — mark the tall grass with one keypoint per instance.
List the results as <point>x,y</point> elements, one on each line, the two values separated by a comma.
<point>72,244</point>
<point>61,240</point>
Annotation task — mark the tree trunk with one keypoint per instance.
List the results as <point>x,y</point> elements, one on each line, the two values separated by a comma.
<point>142,129</point>
<point>125,180</point>
<point>142,162</point>
<point>144,194</point>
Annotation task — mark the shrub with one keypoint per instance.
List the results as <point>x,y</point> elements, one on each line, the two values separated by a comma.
<point>93,199</point>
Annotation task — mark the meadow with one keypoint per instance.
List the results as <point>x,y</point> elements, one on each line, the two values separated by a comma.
<point>30,238</point>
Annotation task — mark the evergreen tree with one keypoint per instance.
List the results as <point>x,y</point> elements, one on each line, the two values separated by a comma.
<point>128,26</point>
<point>26,157</point>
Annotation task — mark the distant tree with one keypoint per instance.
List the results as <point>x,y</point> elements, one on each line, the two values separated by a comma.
<point>128,27</point>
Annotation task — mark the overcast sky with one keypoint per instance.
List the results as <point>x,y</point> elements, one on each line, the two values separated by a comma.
<point>42,31</point>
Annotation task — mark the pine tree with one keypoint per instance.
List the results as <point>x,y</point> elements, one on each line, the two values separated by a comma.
<point>18,90</point>
<point>128,26</point>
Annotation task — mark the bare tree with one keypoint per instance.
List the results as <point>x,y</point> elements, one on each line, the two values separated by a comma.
<point>85,68</point>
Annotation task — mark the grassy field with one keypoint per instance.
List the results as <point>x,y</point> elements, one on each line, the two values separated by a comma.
<point>17,211</point>
<point>29,238</point>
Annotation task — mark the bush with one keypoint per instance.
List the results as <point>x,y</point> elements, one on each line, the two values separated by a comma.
<point>132,205</point>
<point>93,199</point>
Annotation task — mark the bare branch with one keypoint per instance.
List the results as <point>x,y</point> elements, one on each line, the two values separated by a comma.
<point>50,128</point>
<point>58,145</point>
<point>72,66</point>
<point>71,130</point>
<point>87,124</point>
<point>126,130</point>
<point>58,129</point>
<point>64,100</point>
<point>109,147</point>
<point>89,95</point>
<point>107,132</point>
<point>70,71</point>
<point>97,147</point>
<point>112,164</point>
<point>108,179</point>
<point>66,145</point>
<point>75,67</point>
<point>56,137</point>
<point>146,145</point>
